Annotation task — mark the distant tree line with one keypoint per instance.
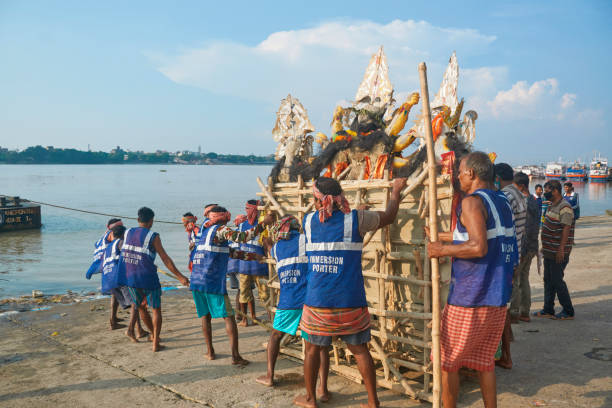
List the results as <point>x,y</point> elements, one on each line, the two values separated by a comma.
<point>51,155</point>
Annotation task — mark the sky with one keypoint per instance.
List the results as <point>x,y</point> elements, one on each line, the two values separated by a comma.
<point>149,75</point>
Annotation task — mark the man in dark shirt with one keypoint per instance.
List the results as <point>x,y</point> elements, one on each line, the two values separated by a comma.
<point>557,241</point>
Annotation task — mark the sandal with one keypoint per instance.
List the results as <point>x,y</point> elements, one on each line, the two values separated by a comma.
<point>564,316</point>
<point>545,315</point>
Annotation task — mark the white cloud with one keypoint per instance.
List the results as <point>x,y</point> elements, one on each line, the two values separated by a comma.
<point>480,85</point>
<point>527,101</point>
<point>568,100</point>
<point>322,64</point>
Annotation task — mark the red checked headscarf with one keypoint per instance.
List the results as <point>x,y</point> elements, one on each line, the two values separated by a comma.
<point>281,229</point>
<point>252,212</point>
<point>190,220</point>
<point>207,209</point>
<point>217,217</point>
<point>327,201</point>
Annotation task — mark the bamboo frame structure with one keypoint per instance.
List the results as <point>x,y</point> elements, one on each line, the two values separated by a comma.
<point>397,278</point>
<point>403,287</point>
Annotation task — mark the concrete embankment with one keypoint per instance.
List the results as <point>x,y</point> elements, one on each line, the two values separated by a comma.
<point>66,356</point>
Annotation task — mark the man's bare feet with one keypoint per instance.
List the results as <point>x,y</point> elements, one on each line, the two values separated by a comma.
<point>211,355</point>
<point>303,401</point>
<point>141,333</point>
<point>244,323</point>
<point>114,325</point>
<point>157,347</point>
<point>131,336</point>
<point>323,395</point>
<point>369,406</point>
<point>265,380</point>
<point>504,364</point>
<point>239,361</point>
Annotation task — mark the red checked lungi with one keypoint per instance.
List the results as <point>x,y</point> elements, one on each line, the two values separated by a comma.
<point>334,322</point>
<point>469,336</point>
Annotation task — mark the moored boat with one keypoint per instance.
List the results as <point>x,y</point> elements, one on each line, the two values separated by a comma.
<point>577,171</point>
<point>16,214</point>
<point>555,170</point>
<point>599,168</point>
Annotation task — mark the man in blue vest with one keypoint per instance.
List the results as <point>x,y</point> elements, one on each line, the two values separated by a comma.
<point>138,252</point>
<point>191,228</point>
<point>208,278</point>
<point>113,281</point>
<point>251,271</point>
<point>484,253</point>
<point>96,266</point>
<point>288,247</point>
<point>335,303</point>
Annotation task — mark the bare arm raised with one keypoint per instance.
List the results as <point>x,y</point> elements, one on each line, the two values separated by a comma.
<point>390,213</point>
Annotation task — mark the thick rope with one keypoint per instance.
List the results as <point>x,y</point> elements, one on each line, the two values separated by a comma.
<point>98,213</point>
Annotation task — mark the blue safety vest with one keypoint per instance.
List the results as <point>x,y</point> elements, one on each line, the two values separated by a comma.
<point>99,247</point>
<point>209,264</point>
<point>334,250</point>
<point>292,270</point>
<point>233,265</point>
<point>138,255</point>
<point>113,271</point>
<point>486,281</point>
<point>253,246</point>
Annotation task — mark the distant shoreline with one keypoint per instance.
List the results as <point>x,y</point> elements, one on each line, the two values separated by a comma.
<point>142,163</point>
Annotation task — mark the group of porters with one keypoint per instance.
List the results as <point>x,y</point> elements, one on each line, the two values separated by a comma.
<point>318,261</point>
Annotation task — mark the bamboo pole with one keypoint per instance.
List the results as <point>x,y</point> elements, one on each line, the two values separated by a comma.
<point>433,229</point>
<point>270,197</point>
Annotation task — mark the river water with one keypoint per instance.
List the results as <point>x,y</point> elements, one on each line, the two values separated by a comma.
<point>56,257</point>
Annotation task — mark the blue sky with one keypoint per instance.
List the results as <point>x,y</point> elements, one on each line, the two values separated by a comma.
<point>154,75</point>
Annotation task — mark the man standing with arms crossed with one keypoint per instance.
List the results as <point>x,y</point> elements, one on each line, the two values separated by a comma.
<point>484,254</point>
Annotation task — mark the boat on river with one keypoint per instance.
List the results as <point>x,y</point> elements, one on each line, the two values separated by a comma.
<point>577,171</point>
<point>599,168</point>
<point>15,214</point>
<point>555,170</point>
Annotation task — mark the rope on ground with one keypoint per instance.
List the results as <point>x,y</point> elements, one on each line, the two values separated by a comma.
<point>75,349</point>
<point>98,213</point>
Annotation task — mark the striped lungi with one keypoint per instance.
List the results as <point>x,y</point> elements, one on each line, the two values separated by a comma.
<point>321,321</point>
<point>469,336</point>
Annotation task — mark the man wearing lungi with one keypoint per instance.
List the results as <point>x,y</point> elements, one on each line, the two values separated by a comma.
<point>484,252</point>
<point>335,303</point>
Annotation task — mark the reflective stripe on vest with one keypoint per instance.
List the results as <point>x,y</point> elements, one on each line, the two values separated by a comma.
<point>486,280</point>
<point>333,249</point>
<point>346,245</point>
<point>209,246</point>
<point>139,260</point>
<point>498,229</point>
<point>210,264</point>
<point>292,270</point>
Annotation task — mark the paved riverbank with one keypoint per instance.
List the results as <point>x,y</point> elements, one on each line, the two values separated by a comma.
<point>556,363</point>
